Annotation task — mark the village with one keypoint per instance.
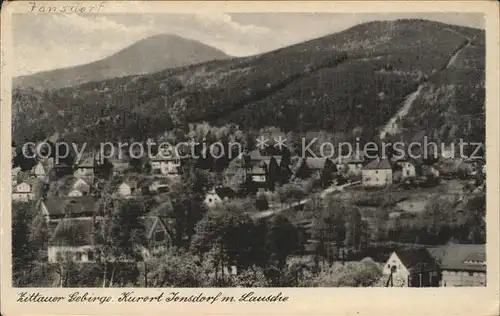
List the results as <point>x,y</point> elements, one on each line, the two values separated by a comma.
<point>70,197</point>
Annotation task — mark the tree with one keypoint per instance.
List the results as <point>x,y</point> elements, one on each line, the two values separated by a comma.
<point>120,238</point>
<point>357,274</point>
<point>187,200</point>
<point>22,250</point>
<point>282,239</point>
<point>174,268</point>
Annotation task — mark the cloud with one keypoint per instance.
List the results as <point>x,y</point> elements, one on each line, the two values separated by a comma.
<point>224,19</point>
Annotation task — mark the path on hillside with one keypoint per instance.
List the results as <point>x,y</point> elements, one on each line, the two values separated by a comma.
<point>392,127</point>
<point>277,209</point>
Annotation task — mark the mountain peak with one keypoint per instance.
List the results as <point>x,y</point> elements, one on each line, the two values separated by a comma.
<point>148,55</point>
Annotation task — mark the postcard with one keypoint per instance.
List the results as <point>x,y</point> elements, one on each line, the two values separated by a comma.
<point>250,158</point>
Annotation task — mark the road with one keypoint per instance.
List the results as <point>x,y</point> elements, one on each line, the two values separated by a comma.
<point>277,209</point>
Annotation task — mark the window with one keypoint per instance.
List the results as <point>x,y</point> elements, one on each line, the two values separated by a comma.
<point>407,172</point>
<point>160,235</point>
<point>90,255</point>
<point>59,256</point>
<point>471,273</point>
<point>78,256</point>
<point>210,200</point>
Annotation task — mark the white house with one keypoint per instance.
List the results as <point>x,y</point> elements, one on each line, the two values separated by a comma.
<point>377,173</point>
<point>81,185</point>
<point>159,186</point>
<point>408,169</point>
<point>166,163</point>
<point>127,189</point>
<point>258,174</point>
<point>27,190</point>
<point>412,268</point>
<point>217,195</point>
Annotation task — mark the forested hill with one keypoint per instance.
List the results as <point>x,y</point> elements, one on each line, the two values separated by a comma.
<point>349,82</point>
<point>146,56</point>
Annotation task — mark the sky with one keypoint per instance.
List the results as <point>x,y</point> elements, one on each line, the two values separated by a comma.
<point>49,41</point>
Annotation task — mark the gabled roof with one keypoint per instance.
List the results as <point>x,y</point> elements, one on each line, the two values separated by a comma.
<point>74,232</point>
<point>416,259</point>
<point>267,159</point>
<point>255,155</point>
<point>72,205</point>
<point>460,257</point>
<point>382,164</point>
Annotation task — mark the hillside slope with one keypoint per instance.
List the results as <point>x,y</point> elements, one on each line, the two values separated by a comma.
<point>148,55</point>
<point>351,83</point>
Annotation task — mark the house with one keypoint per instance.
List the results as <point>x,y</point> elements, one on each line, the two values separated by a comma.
<point>166,163</point>
<point>157,234</point>
<point>55,208</point>
<point>413,267</point>
<point>461,264</point>
<point>377,173</point>
<point>86,168</point>
<point>217,195</point>
<point>159,186</point>
<point>80,185</point>
<point>353,164</point>
<point>258,174</point>
<point>28,190</point>
<point>74,239</point>
<point>408,170</point>
<point>322,168</point>
<point>128,189</point>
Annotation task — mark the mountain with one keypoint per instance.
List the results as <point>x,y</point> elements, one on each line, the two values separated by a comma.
<point>351,83</point>
<point>148,55</point>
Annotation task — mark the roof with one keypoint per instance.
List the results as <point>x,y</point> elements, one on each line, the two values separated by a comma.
<point>74,205</point>
<point>378,165</point>
<point>224,192</point>
<point>79,231</point>
<point>255,155</point>
<point>416,259</point>
<point>267,159</point>
<point>74,232</point>
<point>455,256</point>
